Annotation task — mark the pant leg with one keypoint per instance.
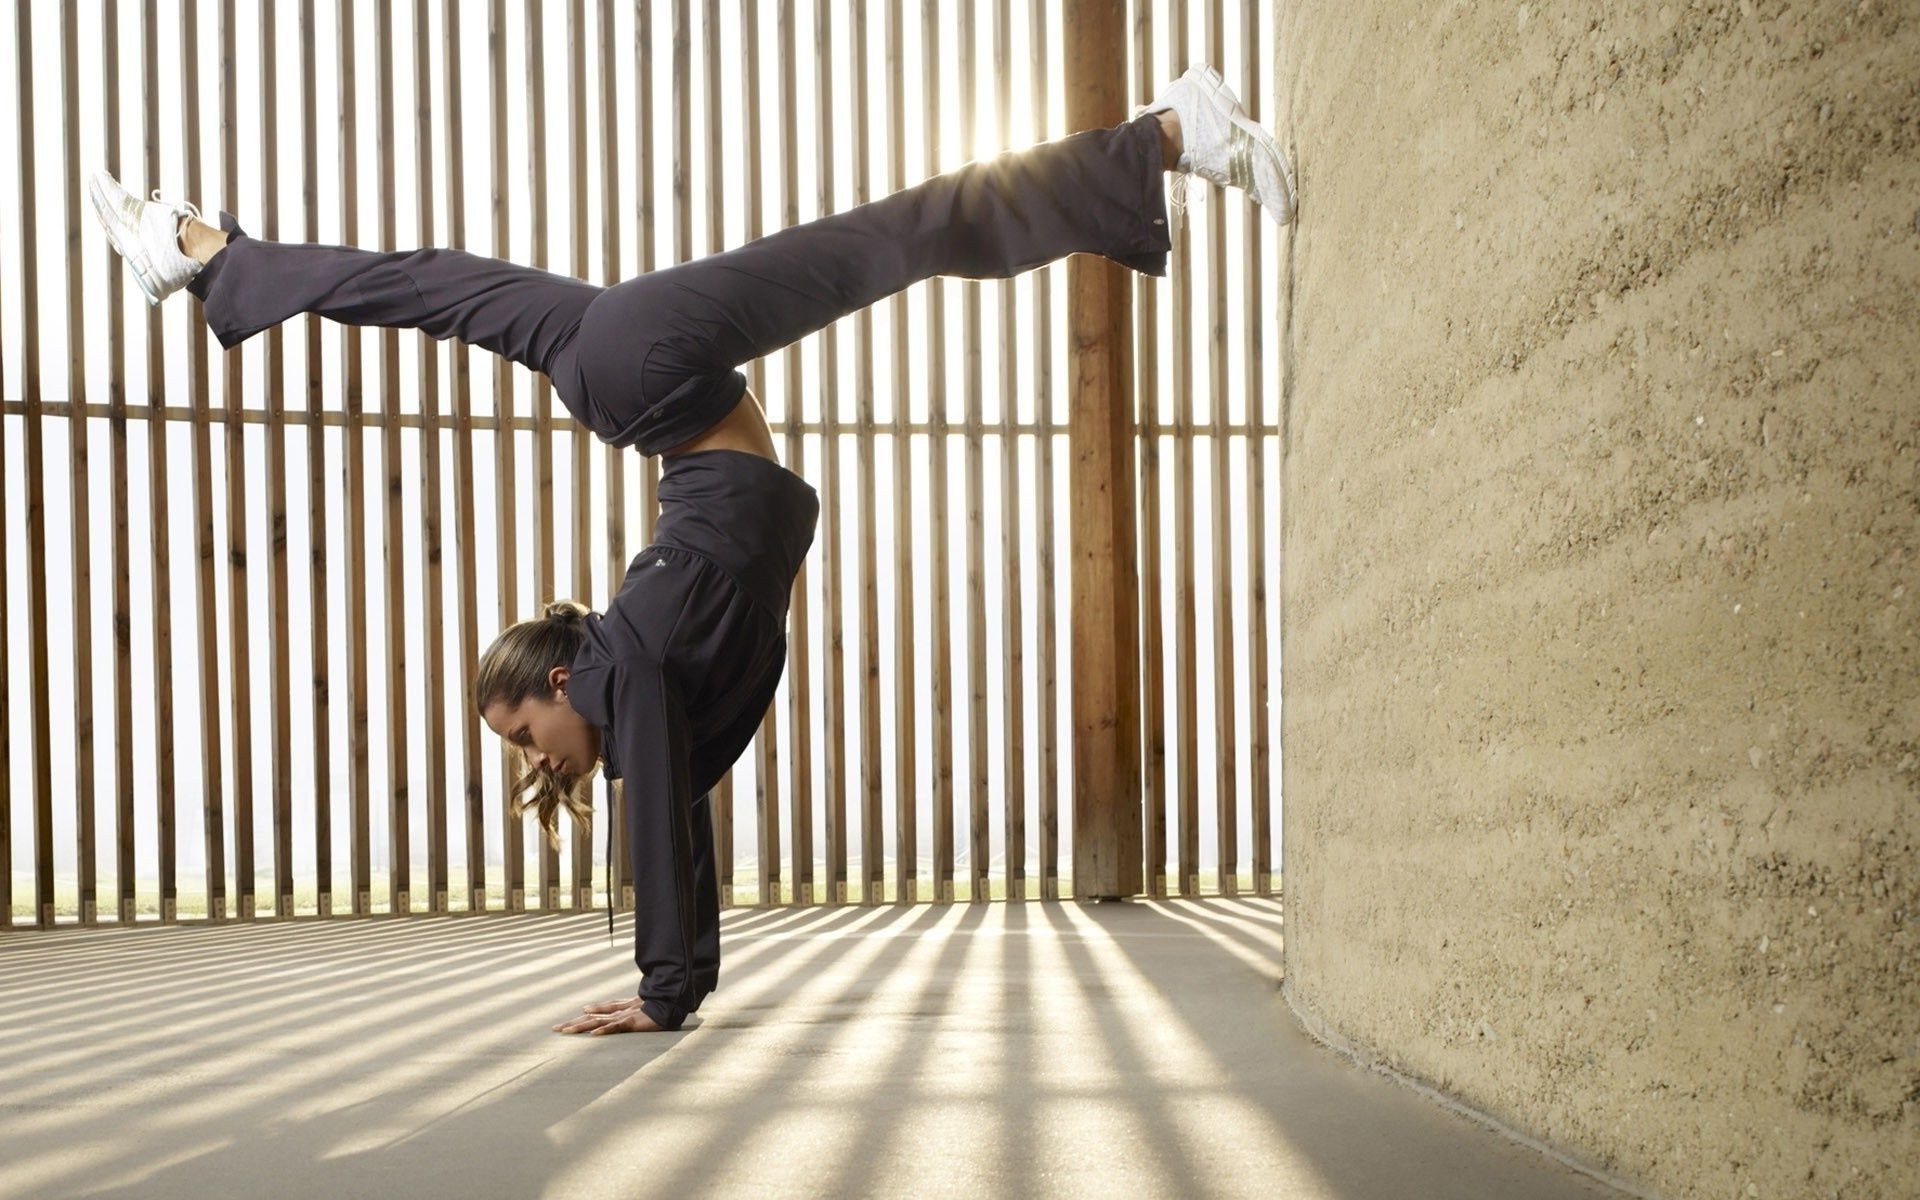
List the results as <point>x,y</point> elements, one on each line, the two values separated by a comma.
<point>522,313</point>
<point>656,354</point>
<point>706,903</point>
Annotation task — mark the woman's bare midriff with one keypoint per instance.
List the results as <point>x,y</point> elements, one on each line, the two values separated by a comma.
<point>744,429</point>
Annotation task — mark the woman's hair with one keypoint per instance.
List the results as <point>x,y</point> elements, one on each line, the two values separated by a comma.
<point>516,667</point>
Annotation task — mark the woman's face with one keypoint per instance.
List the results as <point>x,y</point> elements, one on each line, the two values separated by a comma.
<point>548,731</point>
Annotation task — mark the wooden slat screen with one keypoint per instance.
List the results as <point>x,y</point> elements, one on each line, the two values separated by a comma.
<point>928,656</point>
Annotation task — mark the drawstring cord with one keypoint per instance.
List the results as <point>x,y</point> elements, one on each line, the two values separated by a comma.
<point>610,940</point>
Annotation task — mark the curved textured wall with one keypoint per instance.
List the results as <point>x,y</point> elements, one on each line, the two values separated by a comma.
<point>1602,609</point>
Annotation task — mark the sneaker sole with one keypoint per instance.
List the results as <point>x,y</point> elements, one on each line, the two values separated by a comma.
<point>1216,85</point>
<point>103,210</point>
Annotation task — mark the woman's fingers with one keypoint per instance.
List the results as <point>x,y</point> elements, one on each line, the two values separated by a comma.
<point>609,1016</point>
<point>607,1006</point>
<point>633,1021</point>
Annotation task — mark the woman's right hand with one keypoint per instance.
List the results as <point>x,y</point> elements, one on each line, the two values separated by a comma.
<point>617,1016</point>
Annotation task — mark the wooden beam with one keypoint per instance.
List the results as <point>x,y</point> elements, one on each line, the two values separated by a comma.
<point>1104,570</point>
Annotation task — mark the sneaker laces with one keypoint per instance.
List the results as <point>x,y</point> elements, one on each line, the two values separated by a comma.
<point>182,209</point>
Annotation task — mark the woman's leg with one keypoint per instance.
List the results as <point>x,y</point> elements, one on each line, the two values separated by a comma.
<point>655,356</point>
<point>522,313</point>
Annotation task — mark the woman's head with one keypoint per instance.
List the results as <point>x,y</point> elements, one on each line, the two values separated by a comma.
<point>521,693</point>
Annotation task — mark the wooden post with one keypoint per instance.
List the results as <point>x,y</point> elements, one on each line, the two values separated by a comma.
<point>1105,573</point>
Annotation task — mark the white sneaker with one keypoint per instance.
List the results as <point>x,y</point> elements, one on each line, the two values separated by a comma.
<point>147,235</point>
<point>1224,145</point>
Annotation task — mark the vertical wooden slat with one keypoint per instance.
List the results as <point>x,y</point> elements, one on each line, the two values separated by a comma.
<point>6,594</point>
<point>643,177</point>
<point>1226,778</point>
<point>233,435</point>
<point>1182,532</point>
<point>353,434</point>
<point>465,539</point>
<point>543,523</point>
<point>766,788</point>
<point>280,682</point>
<point>649,256</point>
<point>1043,283</point>
<point>1106,675</point>
<point>393,539</point>
<point>1251,303</point>
<point>506,512</point>
<point>906,529</point>
<point>798,658</point>
<point>319,603</point>
<point>78,488</point>
<point>937,481</point>
<point>616,459</point>
<point>873,875</point>
<point>430,541</point>
<point>34,455</point>
<point>158,492</point>
<point>204,598</point>
<point>582,439</point>
<point>1146,294</point>
<point>721,806</point>
<point>1012,385</point>
<point>124,783</point>
<point>978,850</point>
<point>833,679</point>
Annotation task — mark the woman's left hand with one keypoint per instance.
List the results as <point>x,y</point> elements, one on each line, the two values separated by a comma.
<point>611,1016</point>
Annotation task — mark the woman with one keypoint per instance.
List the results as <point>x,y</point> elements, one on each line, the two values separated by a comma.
<point>666,688</point>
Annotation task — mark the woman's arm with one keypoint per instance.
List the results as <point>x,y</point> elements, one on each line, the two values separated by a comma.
<point>654,749</point>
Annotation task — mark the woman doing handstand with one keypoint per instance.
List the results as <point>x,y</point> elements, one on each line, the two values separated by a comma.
<point>666,688</point>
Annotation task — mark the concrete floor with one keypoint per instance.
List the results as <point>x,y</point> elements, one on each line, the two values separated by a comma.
<point>1013,1049</point>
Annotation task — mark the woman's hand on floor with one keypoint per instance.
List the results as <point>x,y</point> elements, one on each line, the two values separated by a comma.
<point>610,1016</point>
